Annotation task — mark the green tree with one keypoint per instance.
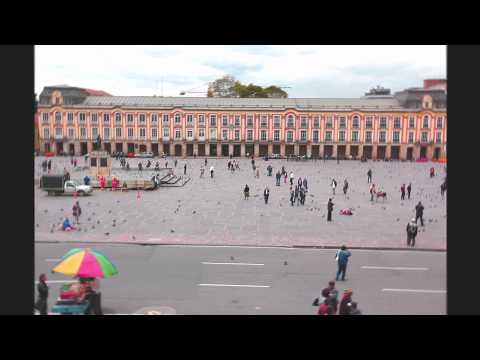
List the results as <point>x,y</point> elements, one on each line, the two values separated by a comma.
<point>227,86</point>
<point>222,87</point>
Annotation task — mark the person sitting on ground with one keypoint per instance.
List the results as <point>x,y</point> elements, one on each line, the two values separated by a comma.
<point>66,226</point>
<point>346,212</point>
<point>86,180</point>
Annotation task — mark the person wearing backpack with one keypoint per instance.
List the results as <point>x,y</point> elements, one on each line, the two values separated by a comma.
<point>412,230</point>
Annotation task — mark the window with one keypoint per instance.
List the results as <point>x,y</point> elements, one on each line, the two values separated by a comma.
<point>83,133</point>
<point>82,118</point>
<point>410,137</point>
<point>94,118</point>
<point>141,118</point>
<point>368,137</point>
<point>106,119</point>
<point>237,120</point>
<point>303,135</point>
<point>201,132</point>
<point>130,132</point>
<point>154,119</point>
<point>45,117</point>
<point>383,122</point>
<point>343,122</point>
<point>396,137</point>
<point>118,119</point>
<point>178,133</point>
<point>58,117</point>
<point>130,118</point>
<point>355,121</point>
<point>237,135</point>
<point>397,122</point>
<point>276,135</point>
<point>264,121</point>
<point>190,119</point>
<point>303,122</point>
<point>94,132</point>
<point>329,123</point>
<point>341,136</point>
<point>290,136</point>
<point>166,132</point>
<point>411,122</point>
<point>276,121</point>
<point>106,133</point>
<point>290,121</point>
<point>70,118</point>
<point>439,122</point>
<point>315,136</point>
<point>369,122</point>
<point>213,120</point>
<point>382,137</point>
<point>154,133</point>
<point>316,122</point>
<point>249,120</point>
<point>354,136</point>
<point>438,140</point>
<point>201,119</point>
<point>141,133</point>
<point>225,134</point>
<point>71,133</point>
<point>225,120</point>
<point>178,119</point>
<point>165,119</point>
<point>424,137</point>
<point>328,136</point>
<point>46,133</point>
<point>263,135</point>
<point>213,134</point>
<point>425,122</point>
<point>118,132</point>
<point>249,135</point>
<point>190,133</point>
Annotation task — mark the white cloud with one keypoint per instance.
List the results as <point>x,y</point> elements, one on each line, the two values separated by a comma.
<point>336,71</point>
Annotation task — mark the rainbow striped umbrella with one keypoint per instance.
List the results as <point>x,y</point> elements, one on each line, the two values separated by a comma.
<point>86,263</point>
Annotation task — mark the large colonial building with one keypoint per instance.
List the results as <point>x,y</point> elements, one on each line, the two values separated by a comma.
<point>410,124</point>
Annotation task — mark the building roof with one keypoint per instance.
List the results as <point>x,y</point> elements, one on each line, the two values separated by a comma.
<point>92,92</point>
<point>323,104</point>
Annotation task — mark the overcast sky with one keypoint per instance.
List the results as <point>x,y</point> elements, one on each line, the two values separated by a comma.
<point>309,71</point>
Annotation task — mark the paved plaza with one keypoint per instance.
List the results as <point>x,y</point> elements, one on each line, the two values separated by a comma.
<point>213,212</point>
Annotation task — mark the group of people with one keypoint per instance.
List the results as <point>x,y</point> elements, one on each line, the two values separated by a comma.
<point>233,165</point>
<point>47,165</point>
<point>328,303</point>
<point>298,194</point>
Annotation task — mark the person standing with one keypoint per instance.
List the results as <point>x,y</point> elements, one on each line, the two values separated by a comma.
<point>266,194</point>
<point>292,197</point>
<point>345,187</point>
<point>291,178</point>
<point>175,162</point>
<point>346,303</point>
<point>402,189</point>
<point>372,191</point>
<point>334,186</point>
<point>41,305</point>
<point>211,171</point>
<point>185,169</point>
<point>166,164</point>
<point>419,212</point>
<point>75,213</point>
<point>258,173</point>
<point>331,294</point>
<point>278,177</point>
<point>412,230</point>
<point>285,178</point>
<point>443,188</point>
<point>49,165</point>
<point>305,184</point>
<point>329,209</point>
<point>205,162</point>
<point>369,176</point>
<point>342,256</point>
<point>246,192</point>
<point>75,163</point>
<point>409,190</point>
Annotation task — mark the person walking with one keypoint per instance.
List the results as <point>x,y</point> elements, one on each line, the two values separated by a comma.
<point>329,209</point>
<point>185,169</point>
<point>419,212</point>
<point>49,165</point>
<point>342,256</point>
<point>285,177</point>
<point>76,211</point>
<point>299,182</point>
<point>202,171</point>
<point>409,190</point>
<point>346,303</point>
<point>278,176</point>
<point>41,305</point>
<point>175,162</point>
<point>334,186</point>
<point>292,197</point>
<point>302,196</point>
<point>74,163</point>
<point>369,176</point>
<point>402,189</point>
<point>211,171</point>
<point>372,191</point>
<point>258,173</point>
<point>266,194</point>
<point>345,187</point>
<point>140,166</point>
<point>246,192</point>
<point>206,162</point>
<point>412,230</point>
<point>166,164</point>
<point>305,184</point>
<point>291,178</point>
<point>443,188</point>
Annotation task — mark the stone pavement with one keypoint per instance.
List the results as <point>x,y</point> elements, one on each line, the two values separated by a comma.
<point>213,211</point>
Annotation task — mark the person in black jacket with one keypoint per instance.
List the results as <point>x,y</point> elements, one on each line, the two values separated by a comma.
<point>41,304</point>
<point>246,192</point>
<point>266,194</point>
<point>330,209</point>
<point>412,230</point>
<point>346,303</point>
<point>419,212</point>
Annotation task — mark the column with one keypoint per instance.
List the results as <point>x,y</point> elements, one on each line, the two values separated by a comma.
<point>347,151</point>
<point>403,152</point>
<point>374,152</point>
<point>89,146</point>
<point>388,152</point>
<point>309,150</point>
<point>360,151</point>
<point>195,149</point>
<point>256,150</point>
<point>270,149</point>
<point>296,149</point>
<point>282,149</point>
<point>430,152</point>
<point>242,149</point>
<point>334,150</point>
<point>230,149</point>
<point>172,149</point>
<point>321,150</point>
<point>219,150</point>
<point>184,149</point>
<point>149,146</point>
<point>207,149</point>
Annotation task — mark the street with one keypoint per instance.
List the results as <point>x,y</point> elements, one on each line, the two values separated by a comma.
<point>223,280</point>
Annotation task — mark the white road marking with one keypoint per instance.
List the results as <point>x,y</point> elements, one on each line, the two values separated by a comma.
<point>393,268</point>
<point>417,291</point>
<point>245,264</point>
<point>232,285</point>
<point>52,260</point>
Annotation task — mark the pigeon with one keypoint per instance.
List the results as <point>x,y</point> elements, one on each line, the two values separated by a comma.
<point>107,233</point>
<point>62,209</point>
<point>285,263</point>
<point>232,258</point>
<point>89,219</point>
<point>133,237</point>
<point>46,210</point>
<point>172,231</point>
<point>194,212</point>
<point>109,211</point>
<point>98,221</point>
